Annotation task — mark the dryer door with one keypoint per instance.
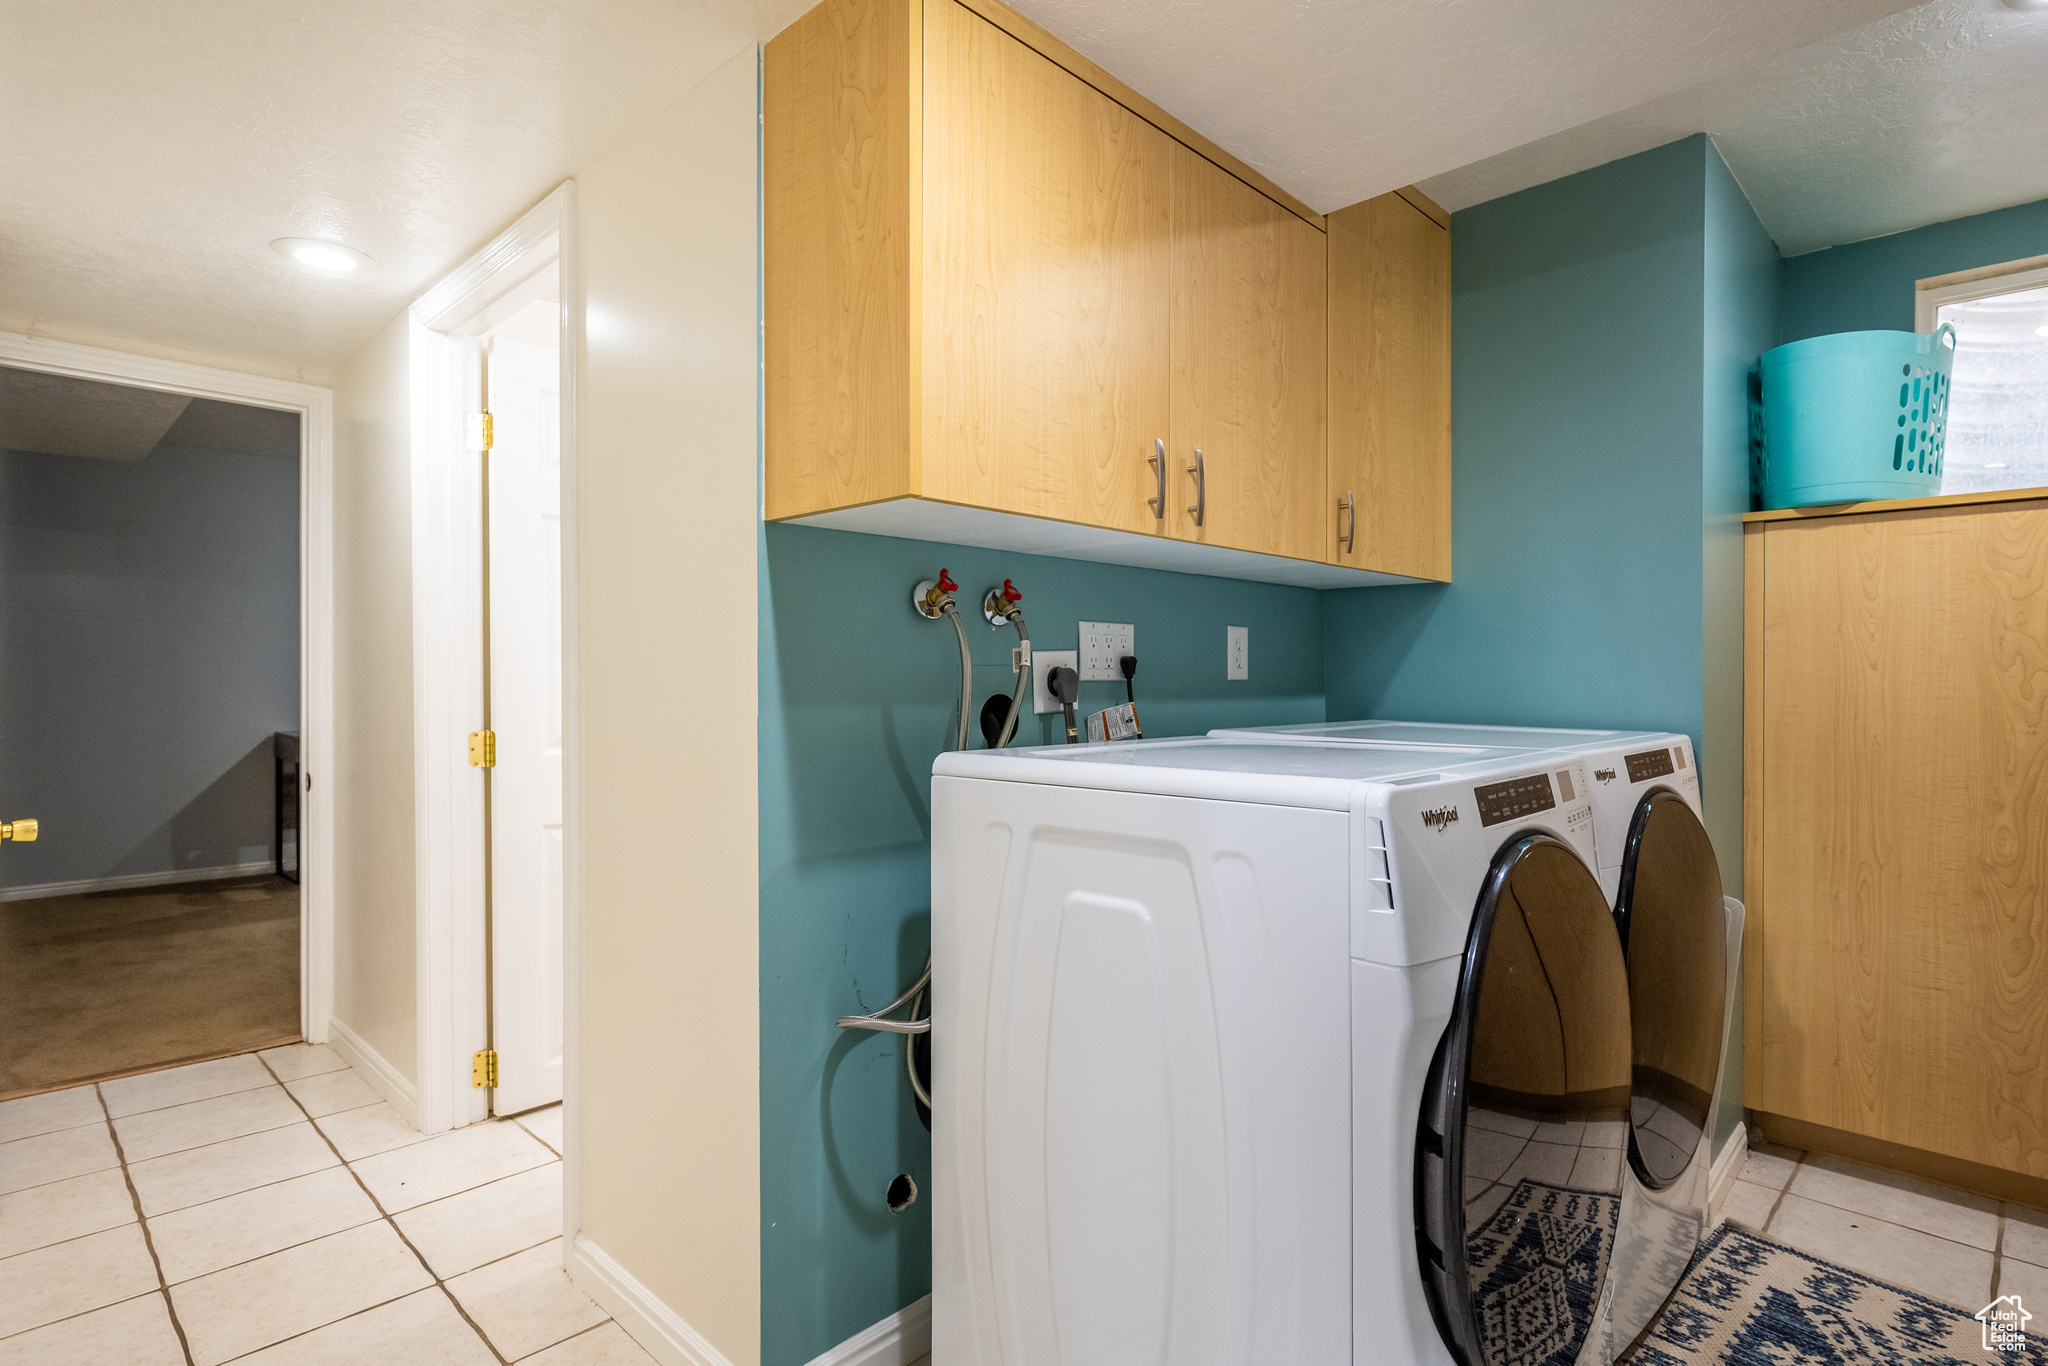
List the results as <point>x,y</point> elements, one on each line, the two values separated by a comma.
<point>1673,930</point>
<point>1524,1117</point>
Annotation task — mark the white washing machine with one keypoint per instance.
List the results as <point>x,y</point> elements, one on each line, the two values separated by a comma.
<point>1273,1052</point>
<point>1682,939</point>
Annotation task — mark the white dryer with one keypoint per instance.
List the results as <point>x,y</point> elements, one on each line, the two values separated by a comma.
<point>1682,938</point>
<point>1268,1052</point>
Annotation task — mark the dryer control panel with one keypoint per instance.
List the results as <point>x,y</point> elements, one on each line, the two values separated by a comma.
<point>1499,802</point>
<point>1438,835</point>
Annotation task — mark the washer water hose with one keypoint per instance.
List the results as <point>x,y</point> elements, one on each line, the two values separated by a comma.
<point>966,672</point>
<point>917,1021</point>
<point>1002,605</point>
<point>932,601</point>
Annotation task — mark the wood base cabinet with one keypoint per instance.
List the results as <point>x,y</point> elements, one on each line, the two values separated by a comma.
<point>1896,827</point>
<point>998,282</point>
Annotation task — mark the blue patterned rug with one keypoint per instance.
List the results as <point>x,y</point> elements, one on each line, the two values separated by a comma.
<point>1537,1265</point>
<point>1748,1301</point>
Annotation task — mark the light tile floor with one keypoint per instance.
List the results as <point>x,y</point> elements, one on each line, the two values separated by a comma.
<point>269,1209</point>
<point>1948,1245</point>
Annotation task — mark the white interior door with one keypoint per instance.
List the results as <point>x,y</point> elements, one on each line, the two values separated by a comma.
<point>526,714</point>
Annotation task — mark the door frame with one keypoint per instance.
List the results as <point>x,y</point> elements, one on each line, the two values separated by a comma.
<point>315,407</point>
<point>447,598</point>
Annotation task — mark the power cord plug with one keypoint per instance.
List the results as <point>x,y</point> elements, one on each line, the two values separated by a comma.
<point>1065,684</point>
<point>1128,666</point>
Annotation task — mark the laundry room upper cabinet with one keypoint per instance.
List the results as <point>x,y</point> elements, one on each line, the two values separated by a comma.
<point>1389,494</point>
<point>1249,366</point>
<point>1007,299</point>
<point>1045,254</point>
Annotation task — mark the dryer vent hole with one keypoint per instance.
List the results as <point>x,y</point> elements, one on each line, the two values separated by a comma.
<point>902,1193</point>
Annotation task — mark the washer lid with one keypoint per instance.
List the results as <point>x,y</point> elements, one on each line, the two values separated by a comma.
<point>1431,733</point>
<point>1238,768</point>
<point>1518,1146</point>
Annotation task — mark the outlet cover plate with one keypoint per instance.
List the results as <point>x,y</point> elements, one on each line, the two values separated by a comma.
<point>1103,643</point>
<point>1237,653</point>
<point>1043,662</point>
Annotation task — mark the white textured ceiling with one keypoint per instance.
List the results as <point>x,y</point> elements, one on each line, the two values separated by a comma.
<point>1932,114</point>
<point>150,151</point>
<point>1341,101</point>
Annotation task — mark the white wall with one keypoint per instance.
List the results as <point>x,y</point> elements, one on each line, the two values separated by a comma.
<point>668,1135</point>
<point>372,788</point>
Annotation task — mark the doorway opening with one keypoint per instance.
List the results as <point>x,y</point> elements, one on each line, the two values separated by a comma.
<point>493,424</point>
<point>519,378</point>
<point>151,684</point>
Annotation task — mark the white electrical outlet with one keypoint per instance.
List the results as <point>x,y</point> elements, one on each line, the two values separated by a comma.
<point>1237,653</point>
<point>1043,662</point>
<point>1103,643</point>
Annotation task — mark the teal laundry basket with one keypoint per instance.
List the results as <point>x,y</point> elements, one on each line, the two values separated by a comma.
<point>1855,416</point>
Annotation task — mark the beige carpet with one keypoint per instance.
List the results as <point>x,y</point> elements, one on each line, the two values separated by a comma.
<point>108,983</point>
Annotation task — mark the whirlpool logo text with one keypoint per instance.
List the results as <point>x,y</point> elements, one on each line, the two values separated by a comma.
<point>1440,818</point>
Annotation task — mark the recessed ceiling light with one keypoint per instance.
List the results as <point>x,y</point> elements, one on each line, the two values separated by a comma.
<point>2042,330</point>
<point>328,258</point>
<point>2026,4</point>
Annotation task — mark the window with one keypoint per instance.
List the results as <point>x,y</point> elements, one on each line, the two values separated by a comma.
<point>1998,394</point>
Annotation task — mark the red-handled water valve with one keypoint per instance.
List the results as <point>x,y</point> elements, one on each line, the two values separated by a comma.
<point>1001,605</point>
<point>930,599</point>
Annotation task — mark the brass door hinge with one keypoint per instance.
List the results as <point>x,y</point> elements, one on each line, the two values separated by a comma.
<point>483,1067</point>
<point>478,432</point>
<point>483,749</point>
<point>21,832</point>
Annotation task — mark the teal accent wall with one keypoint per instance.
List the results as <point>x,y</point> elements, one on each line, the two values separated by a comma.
<point>1740,278</point>
<point>858,696</point>
<point>1577,354</point>
<point>1868,285</point>
<point>1602,330</point>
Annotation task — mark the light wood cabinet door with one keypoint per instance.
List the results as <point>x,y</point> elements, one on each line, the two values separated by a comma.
<point>1045,284</point>
<point>1898,829</point>
<point>1250,302</point>
<point>839,180</point>
<point>1390,389</point>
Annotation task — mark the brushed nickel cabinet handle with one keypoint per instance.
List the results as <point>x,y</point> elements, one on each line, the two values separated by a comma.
<point>1157,460</point>
<point>1347,513</point>
<point>1201,488</point>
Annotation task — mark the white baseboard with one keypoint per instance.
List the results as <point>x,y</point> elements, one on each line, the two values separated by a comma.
<point>645,1318</point>
<point>898,1340</point>
<point>169,878</point>
<point>1727,1167</point>
<point>386,1080</point>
